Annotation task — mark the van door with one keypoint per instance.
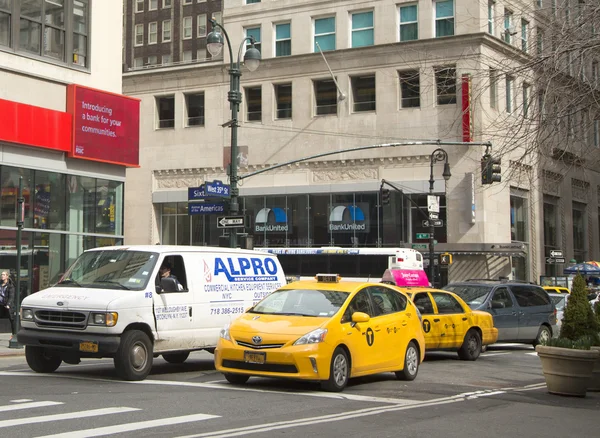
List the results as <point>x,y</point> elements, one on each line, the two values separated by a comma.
<point>535,309</point>
<point>504,311</point>
<point>173,308</point>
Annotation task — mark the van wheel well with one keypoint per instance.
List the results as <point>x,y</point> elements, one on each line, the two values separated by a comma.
<point>141,327</point>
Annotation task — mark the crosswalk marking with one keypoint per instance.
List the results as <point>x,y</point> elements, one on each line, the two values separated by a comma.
<point>29,405</point>
<point>68,416</point>
<point>129,427</point>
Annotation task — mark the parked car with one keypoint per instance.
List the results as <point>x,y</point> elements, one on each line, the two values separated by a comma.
<point>522,312</point>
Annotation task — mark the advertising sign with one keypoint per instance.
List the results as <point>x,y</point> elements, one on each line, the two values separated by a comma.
<point>406,277</point>
<point>349,218</point>
<point>106,126</point>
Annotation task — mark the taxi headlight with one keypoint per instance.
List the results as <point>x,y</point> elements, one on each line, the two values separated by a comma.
<point>26,314</point>
<point>107,319</point>
<point>313,337</point>
<point>225,333</point>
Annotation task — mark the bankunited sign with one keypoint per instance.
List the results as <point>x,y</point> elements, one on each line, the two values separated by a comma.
<point>273,220</point>
<point>348,218</point>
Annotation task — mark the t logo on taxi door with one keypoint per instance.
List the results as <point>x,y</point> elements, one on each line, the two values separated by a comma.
<point>370,335</point>
<point>426,326</point>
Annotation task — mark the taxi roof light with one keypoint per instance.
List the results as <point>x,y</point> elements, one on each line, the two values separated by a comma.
<point>328,278</point>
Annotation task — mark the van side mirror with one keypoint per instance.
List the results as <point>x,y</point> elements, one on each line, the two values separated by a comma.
<point>168,284</point>
<point>497,304</point>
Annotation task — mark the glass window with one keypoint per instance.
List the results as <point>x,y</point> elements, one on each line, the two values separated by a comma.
<point>195,109</point>
<point>255,33</point>
<point>493,88</point>
<point>325,97</point>
<point>201,54</point>
<point>491,14</point>
<point>152,5</point>
<point>5,28</point>
<point>509,94</point>
<point>529,296</point>
<point>186,30</point>
<point>508,26</point>
<point>187,56</point>
<point>551,222</point>
<point>362,29</point>
<point>152,60</point>
<point>526,88</point>
<point>81,32</point>
<point>360,303</point>
<point>363,93</point>
<point>445,81</point>
<point>109,202</point>
<point>49,201</point>
<point>410,89</point>
<point>81,204</point>
<point>446,303</point>
<point>444,18</point>
<point>283,97</point>
<point>165,111</point>
<point>152,32</point>
<point>138,62</point>
<point>324,34</point>
<point>518,219</point>
<point>201,25</point>
<point>139,5</point>
<point>524,35</point>
<point>409,24</point>
<point>502,299</point>
<point>283,39</point>
<point>10,190</point>
<point>423,303</point>
<point>139,34</point>
<point>254,104</point>
<point>248,2</point>
<point>472,294</point>
<point>166,31</point>
<point>166,59</point>
<point>579,231</point>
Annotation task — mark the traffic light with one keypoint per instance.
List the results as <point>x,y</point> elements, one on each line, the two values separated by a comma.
<point>445,259</point>
<point>490,169</point>
<point>385,196</point>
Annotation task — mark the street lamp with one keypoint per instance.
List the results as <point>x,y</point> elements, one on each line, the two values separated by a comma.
<point>436,156</point>
<point>214,45</point>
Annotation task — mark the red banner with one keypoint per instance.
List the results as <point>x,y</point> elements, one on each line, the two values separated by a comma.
<point>106,126</point>
<point>467,116</point>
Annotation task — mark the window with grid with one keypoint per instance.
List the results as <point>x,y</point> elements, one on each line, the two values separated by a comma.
<point>410,89</point>
<point>5,22</point>
<point>166,3</point>
<point>444,18</point>
<point>255,33</point>
<point>152,5</point>
<point>152,32</point>
<point>166,59</point>
<point>491,15</point>
<point>166,31</point>
<point>363,93</point>
<point>165,111</point>
<point>152,60</point>
<point>254,104</point>
<point>324,34</point>
<point>139,5</point>
<point>362,29</point>
<point>326,95</point>
<point>283,98</point>
<point>139,34</point>
<point>194,105</point>
<point>409,24</point>
<point>445,82</point>
<point>509,93</point>
<point>201,25</point>
<point>42,28</point>
<point>524,35</point>
<point>283,39</point>
<point>186,30</point>
<point>507,26</point>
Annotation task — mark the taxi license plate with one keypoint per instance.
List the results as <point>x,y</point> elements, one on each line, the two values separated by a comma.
<point>88,347</point>
<point>254,357</point>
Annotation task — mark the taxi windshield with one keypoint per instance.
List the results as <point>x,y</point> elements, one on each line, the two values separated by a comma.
<point>473,295</point>
<point>302,302</point>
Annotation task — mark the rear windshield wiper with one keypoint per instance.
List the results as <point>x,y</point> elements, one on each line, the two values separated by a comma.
<point>116,283</point>
<point>69,281</point>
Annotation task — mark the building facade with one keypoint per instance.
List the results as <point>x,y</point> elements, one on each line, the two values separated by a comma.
<point>64,134</point>
<point>340,75</point>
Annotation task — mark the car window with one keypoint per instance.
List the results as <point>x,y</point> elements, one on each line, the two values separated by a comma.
<point>360,303</point>
<point>386,301</point>
<point>502,299</point>
<point>446,303</point>
<point>472,294</point>
<point>304,302</point>
<point>559,301</point>
<point>528,296</point>
<point>423,303</point>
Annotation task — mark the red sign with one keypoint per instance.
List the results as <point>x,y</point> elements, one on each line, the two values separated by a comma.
<point>34,126</point>
<point>467,116</point>
<point>106,126</point>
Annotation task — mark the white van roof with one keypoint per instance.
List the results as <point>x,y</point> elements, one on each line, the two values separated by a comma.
<point>179,249</point>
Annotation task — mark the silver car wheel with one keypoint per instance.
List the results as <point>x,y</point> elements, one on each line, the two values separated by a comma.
<point>340,369</point>
<point>412,360</point>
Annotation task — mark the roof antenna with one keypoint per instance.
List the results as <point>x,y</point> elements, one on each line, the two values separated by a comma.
<point>341,95</point>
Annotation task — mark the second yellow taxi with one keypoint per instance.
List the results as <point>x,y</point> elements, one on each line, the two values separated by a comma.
<point>449,323</point>
<point>325,330</point>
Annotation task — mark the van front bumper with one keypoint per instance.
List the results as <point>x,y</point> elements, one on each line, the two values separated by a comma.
<point>69,342</point>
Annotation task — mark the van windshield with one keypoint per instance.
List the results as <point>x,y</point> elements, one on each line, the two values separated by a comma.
<point>302,302</point>
<point>111,269</point>
<point>473,295</point>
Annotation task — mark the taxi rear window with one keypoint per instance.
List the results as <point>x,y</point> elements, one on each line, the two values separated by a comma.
<point>302,302</point>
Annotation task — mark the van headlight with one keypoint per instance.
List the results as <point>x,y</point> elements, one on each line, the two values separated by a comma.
<point>224,333</point>
<point>314,337</point>
<point>26,314</point>
<point>107,319</point>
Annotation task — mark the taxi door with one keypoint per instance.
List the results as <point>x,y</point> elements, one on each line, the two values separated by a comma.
<point>360,338</point>
<point>452,315</point>
<point>431,323</point>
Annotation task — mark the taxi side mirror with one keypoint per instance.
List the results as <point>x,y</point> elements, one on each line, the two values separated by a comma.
<point>360,317</point>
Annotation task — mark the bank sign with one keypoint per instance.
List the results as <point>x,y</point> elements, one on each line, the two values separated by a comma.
<point>272,220</point>
<point>346,218</point>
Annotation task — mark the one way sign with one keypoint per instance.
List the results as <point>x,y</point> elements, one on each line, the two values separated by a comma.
<point>230,222</point>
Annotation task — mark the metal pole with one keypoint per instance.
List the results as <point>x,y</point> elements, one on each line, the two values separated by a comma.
<point>17,310</point>
<point>235,98</point>
<point>431,227</point>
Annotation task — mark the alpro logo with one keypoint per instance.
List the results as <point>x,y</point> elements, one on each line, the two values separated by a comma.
<point>273,220</point>
<point>346,218</point>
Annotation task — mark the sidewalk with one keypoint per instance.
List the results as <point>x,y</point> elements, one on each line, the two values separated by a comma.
<point>5,351</point>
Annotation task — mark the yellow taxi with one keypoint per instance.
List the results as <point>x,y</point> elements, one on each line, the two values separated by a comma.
<point>449,323</point>
<point>325,330</point>
<point>557,289</point>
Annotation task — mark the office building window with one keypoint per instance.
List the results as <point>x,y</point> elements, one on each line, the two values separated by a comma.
<point>188,2</point>
<point>283,97</point>
<point>445,82</point>
<point>579,231</point>
<point>283,39</point>
<point>152,60</point>
<point>324,34</point>
<point>363,93</point>
<point>326,95</point>
<point>187,56</point>
<point>509,94</point>
<point>186,30</point>
<point>255,33</point>
<point>518,219</point>
<point>165,111</point>
<point>5,20</point>
<point>201,25</point>
<point>540,41</point>
<point>410,89</point>
<point>248,2</point>
<point>508,26</point>
<point>493,88</point>
<point>362,29</point>
<point>138,62</point>
<point>42,27</point>
<point>166,3</point>
<point>201,54</point>
<point>526,88</point>
<point>491,15</point>
<point>80,16</point>
<point>152,32</point>
<point>409,23</point>
<point>139,5</point>
<point>524,35</point>
<point>254,104</point>
<point>194,105</point>
<point>166,60</point>
<point>444,18</point>
<point>152,5</point>
<point>166,31</point>
<point>139,35</point>
<point>551,223</point>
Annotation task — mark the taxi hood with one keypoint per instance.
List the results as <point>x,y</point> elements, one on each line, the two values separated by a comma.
<point>276,324</point>
<point>74,298</point>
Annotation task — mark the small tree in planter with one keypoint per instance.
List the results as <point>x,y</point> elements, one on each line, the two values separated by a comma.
<point>567,362</point>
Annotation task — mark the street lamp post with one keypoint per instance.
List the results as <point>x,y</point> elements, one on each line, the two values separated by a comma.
<point>436,156</point>
<point>214,45</point>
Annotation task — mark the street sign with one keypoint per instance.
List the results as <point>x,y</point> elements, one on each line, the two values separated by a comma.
<point>205,208</point>
<point>436,223</point>
<point>434,216</point>
<point>558,260</point>
<point>217,188</point>
<point>556,253</point>
<point>230,222</point>
<point>433,204</point>
<point>196,193</point>
<point>420,246</point>
<point>422,235</point>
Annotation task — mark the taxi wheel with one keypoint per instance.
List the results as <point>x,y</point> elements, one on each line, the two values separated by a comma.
<point>236,379</point>
<point>133,359</point>
<point>411,363</point>
<point>339,372</point>
<point>471,347</point>
<point>176,357</point>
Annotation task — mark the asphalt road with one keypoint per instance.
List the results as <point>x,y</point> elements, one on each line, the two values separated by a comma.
<point>502,394</point>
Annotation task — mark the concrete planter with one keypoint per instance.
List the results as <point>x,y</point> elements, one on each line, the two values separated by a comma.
<point>595,379</point>
<point>567,371</point>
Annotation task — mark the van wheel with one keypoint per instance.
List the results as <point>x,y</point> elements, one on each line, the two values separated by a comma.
<point>40,361</point>
<point>543,336</point>
<point>411,363</point>
<point>471,347</point>
<point>133,359</point>
<point>339,372</point>
<point>176,357</point>
<point>236,379</point>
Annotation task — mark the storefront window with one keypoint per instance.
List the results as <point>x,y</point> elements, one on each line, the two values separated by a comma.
<point>319,213</point>
<point>579,235</point>
<point>518,219</point>
<point>298,220</point>
<point>49,201</point>
<point>109,201</point>
<point>10,188</point>
<point>81,201</point>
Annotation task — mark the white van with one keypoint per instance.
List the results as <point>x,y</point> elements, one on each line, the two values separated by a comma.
<point>112,302</point>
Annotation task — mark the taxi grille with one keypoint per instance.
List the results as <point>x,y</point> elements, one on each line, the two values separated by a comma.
<point>61,319</point>
<point>268,367</point>
<point>259,347</point>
